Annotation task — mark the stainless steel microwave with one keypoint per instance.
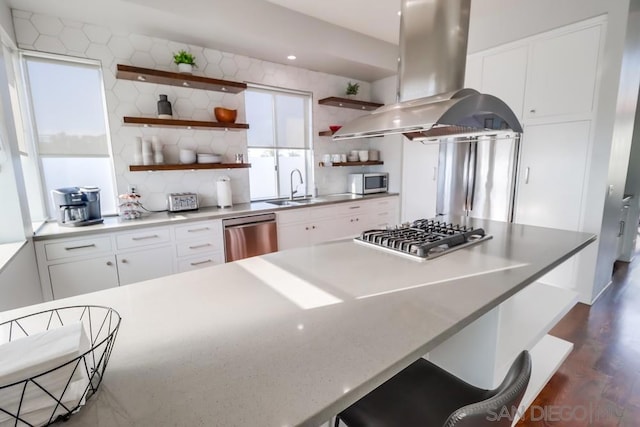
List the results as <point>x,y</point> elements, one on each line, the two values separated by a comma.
<point>367,183</point>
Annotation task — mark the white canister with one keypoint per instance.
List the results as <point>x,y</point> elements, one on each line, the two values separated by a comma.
<point>363,155</point>
<point>223,186</point>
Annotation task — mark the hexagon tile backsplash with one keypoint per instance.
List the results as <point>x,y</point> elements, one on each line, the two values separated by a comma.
<point>50,34</point>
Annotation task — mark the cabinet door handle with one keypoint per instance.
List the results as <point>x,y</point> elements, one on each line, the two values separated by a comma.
<point>71,248</point>
<point>526,175</point>
<point>621,232</point>
<point>435,173</point>
<point>357,219</point>
<point>354,207</point>
<point>200,246</point>
<point>195,230</point>
<point>124,261</point>
<point>206,261</point>
<point>306,228</point>
<point>109,263</point>
<point>313,226</point>
<point>533,110</point>
<point>151,236</point>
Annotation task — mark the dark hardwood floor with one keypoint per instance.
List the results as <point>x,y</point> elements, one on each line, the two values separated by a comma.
<point>599,383</point>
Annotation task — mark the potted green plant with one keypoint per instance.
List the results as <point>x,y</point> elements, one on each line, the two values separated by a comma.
<point>185,60</point>
<point>352,89</point>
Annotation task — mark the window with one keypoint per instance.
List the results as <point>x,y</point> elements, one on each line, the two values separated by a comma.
<point>279,141</point>
<point>67,111</point>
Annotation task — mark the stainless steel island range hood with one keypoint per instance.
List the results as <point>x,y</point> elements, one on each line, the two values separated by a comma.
<point>433,49</point>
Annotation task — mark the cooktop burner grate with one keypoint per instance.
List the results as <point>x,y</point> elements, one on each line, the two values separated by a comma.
<point>424,238</point>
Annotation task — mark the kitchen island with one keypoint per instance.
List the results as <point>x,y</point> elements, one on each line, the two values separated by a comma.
<point>293,337</point>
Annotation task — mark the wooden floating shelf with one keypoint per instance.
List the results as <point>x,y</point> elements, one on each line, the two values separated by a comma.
<point>147,75</point>
<point>369,163</point>
<point>326,133</point>
<point>192,166</point>
<point>335,101</point>
<point>153,121</point>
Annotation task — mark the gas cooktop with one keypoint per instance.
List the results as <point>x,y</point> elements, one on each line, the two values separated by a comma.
<point>423,239</point>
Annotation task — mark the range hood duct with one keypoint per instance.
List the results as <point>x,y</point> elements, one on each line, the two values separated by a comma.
<point>433,50</point>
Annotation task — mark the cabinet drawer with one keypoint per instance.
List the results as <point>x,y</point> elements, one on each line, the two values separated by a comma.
<point>199,230</point>
<point>296,215</point>
<point>74,248</point>
<point>201,261</point>
<point>198,246</point>
<point>144,237</point>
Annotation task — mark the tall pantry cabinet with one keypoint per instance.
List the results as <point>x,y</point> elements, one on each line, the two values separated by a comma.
<point>550,81</point>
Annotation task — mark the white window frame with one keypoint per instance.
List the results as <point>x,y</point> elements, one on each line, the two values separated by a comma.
<point>30,128</point>
<point>309,170</point>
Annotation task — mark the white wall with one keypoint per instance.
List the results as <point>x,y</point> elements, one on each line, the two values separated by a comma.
<point>19,280</point>
<point>125,98</point>
<point>5,20</point>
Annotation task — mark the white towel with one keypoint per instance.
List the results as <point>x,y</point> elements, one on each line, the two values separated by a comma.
<point>34,355</point>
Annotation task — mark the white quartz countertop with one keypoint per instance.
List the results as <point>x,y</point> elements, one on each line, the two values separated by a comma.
<point>51,230</point>
<point>293,337</point>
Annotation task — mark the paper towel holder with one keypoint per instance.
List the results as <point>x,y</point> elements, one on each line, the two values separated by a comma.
<point>223,187</point>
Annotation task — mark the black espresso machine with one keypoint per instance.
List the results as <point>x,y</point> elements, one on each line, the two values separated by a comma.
<point>77,206</point>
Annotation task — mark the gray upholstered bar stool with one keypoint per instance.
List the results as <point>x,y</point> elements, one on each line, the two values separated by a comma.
<point>424,395</point>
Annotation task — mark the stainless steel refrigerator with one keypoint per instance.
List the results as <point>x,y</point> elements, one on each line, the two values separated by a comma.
<point>478,178</point>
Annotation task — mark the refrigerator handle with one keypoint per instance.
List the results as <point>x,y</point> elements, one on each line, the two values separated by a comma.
<point>473,163</point>
<point>526,175</point>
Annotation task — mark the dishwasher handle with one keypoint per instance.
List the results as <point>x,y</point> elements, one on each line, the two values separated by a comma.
<point>248,220</point>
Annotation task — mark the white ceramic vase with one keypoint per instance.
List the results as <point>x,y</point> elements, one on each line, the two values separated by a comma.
<point>185,68</point>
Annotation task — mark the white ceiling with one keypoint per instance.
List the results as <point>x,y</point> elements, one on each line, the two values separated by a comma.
<point>353,38</point>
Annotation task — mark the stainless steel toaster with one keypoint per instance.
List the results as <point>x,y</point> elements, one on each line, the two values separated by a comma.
<point>182,202</point>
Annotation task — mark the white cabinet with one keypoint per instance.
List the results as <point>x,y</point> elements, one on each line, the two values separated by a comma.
<point>553,166</point>
<point>79,277</point>
<point>562,74</point>
<point>199,244</point>
<point>144,264</point>
<point>419,180</point>
<point>312,225</point>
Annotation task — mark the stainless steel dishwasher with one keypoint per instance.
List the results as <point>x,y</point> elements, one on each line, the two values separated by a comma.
<point>248,236</point>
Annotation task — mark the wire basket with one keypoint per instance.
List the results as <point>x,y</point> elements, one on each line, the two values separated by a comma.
<point>76,379</point>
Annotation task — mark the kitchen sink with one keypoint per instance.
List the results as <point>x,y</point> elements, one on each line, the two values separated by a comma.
<point>295,202</point>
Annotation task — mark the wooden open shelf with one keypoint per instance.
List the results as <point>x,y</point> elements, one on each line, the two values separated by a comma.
<point>153,121</point>
<point>138,74</point>
<point>181,167</point>
<point>369,163</point>
<point>325,133</point>
<point>334,101</point>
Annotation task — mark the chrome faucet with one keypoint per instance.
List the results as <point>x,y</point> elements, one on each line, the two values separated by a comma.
<point>291,182</point>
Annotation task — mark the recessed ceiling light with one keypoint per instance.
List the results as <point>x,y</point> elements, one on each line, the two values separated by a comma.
<point>291,57</point>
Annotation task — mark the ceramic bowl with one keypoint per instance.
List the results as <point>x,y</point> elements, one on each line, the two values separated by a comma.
<point>187,156</point>
<point>224,115</point>
<point>335,128</point>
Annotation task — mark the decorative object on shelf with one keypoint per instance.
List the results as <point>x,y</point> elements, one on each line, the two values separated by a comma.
<point>164,108</point>
<point>158,156</point>
<point>187,156</point>
<point>374,155</point>
<point>363,155</point>
<point>137,151</point>
<point>62,358</point>
<point>240,158</point>
<point>326,159</point>
<point>185,61</point>
<point>130,206</point>
<point>334,128</point>
<point>352,89</point>
<point>225,115</point>
<point>353,158</point>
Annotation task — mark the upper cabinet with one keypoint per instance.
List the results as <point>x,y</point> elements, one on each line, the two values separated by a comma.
<point>562,74</point>
<point>552,76</point>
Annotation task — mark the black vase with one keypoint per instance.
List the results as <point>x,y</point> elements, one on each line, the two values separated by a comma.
<point>164,108</point>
